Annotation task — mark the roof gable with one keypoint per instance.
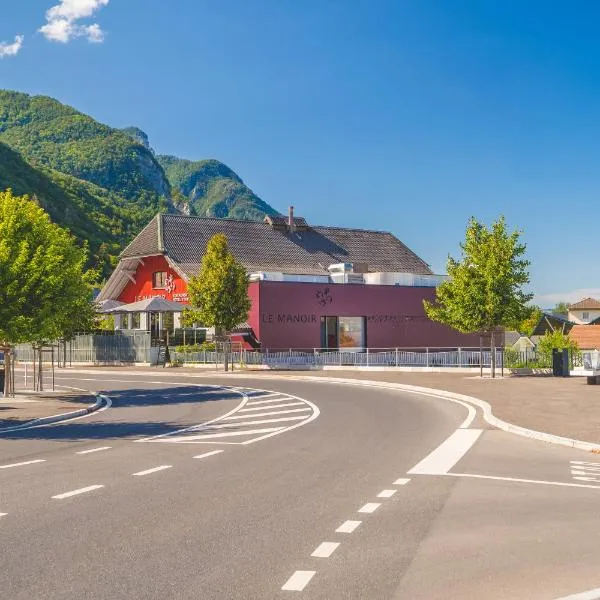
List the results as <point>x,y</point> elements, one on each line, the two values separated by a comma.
<point>585,304</point>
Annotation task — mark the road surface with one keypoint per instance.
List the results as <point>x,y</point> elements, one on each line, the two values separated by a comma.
<point>246,488</point>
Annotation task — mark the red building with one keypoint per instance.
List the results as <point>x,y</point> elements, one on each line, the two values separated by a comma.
<point>311,287</point>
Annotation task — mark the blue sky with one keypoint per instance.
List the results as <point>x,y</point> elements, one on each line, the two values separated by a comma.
<point>402,115</point>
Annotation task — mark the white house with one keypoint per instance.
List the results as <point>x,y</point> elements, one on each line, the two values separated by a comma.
<point>585,311</point>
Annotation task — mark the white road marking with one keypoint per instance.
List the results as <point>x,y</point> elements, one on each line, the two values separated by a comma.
<point>298,581</point>
<point>401,481</point>
<point>94,450</point>
<point>260,422</point>
<point>587,479</point>
<point>267,414</point>
<point>285,405</point>
<point>589,595</point>
<point>325,549</point>
<point>448,453</point>
<point>386,493</point>
<point>3,514</point>
<point>154,470</point>
<point>22,464</point>
<point>84,490</point>
<point>581,462</point>
<point>207,454</point>
<point>348,526</point>
<point>516,480</point>
<point>369,507</point>
<point>190,438</point>
<point>270,401</point>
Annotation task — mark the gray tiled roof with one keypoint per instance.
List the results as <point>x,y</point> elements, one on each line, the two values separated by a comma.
<point>259,247</point>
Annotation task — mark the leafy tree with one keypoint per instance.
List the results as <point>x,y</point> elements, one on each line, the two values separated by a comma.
<point>555,339</point>
<point>527,325</point>
<point>485,289</point>
<point>561,308</point>
<point>219,294</point>
<point>45,291</point>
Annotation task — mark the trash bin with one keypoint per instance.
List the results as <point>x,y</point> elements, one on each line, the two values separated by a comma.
<point>560,362</point>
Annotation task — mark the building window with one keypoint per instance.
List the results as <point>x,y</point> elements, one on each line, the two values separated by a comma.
<point>168,321</point>
<point>159,280</point>
<point>585,316</point>
<point>135,320</point>
<point>343,332</point>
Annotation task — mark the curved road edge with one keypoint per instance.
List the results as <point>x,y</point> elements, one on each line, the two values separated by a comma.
<point>102,403</point>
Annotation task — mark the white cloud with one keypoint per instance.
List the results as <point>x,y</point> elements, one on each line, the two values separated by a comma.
<point>62,21</point>
<point>11,49</point>
<point>550,300</point>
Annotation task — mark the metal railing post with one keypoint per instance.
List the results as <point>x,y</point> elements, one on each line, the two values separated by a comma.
<point>396,356</point>
<point>427,357</point>
<point>367,357</point>
<point>460,357</point>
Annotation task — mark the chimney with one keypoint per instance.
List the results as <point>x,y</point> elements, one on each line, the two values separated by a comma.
<point>291,224</point>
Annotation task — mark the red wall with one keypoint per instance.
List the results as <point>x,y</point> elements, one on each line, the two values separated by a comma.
<point>290,315</point>
<point>142,288</point>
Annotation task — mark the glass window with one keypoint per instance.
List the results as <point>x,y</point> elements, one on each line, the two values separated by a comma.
<point>159,279</point>
<point>351,332</point>
<point>585,316</point>
<point>168,322</point>
<point>135,320</point>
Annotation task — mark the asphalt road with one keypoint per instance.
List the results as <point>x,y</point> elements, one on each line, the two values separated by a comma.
<point>234,488</point>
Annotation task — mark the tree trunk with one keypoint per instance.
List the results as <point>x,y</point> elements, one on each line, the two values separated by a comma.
<point>8,388</point>
<point>493,353</point>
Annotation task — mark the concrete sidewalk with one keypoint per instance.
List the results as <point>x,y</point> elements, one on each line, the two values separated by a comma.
<point>564,406</point>
<point>27,406</point>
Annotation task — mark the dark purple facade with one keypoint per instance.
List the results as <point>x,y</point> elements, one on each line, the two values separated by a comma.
<point>292,315</point>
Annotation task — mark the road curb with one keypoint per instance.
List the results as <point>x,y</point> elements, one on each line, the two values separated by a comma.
<point>485,407</point>
<point>100,399</point>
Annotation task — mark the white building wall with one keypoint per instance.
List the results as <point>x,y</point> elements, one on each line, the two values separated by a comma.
<point>577,316</point>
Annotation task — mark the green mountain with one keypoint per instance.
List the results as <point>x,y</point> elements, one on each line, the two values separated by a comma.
<point>211,189</point>
<point>105,184</point>
<point>91,213</point>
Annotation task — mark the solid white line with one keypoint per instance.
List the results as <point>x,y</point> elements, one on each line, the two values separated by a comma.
<point>348,526</point>
<point>262,421</point>
<point>401,481</point>
<point>369,507</point>
<point>386,493</point>
<point>191,438</point>
<point>298,581</point>
<point>207,454</point>
<point>448,453</point>
<point>90,488</point>
<point>581,462</point>
<point>325,549</point>
<point>538,481</point>
<point>589,595</point>
<point>22,464</point>
<point>267,414</point>
<point>3,514</point>
<point>154,470</point>
<point>278,406</point>
<point>270,399</point>
<point>94,450</point>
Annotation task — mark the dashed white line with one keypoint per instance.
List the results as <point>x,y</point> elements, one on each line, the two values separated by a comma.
<point>348,526</point>
<point>284,405</point>
<point>94,450</point>
<point>22,464</point>
<point>401,481</point>
<point>150,471</point>
<point>386,493</point>
<point>207,454</point>
<point>325,549</point>
<point>298,581</point>
<point>369,507</point>
<point>83,490</point>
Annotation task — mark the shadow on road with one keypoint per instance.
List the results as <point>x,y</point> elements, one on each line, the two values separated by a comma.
<point>121,422</point>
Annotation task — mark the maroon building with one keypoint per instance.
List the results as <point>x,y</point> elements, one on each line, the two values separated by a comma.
<point>311,286</point>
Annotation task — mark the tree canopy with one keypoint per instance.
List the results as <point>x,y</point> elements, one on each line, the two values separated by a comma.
<point>45,290</point>
<point>485,288</point>
<point>219,294</point>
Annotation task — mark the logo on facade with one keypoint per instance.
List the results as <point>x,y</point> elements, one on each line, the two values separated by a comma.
<point>169,284</point>
<point>324,297</point>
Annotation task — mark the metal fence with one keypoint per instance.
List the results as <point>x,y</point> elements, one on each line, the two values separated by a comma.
<point>100,349</point>
<point>372,357</point>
